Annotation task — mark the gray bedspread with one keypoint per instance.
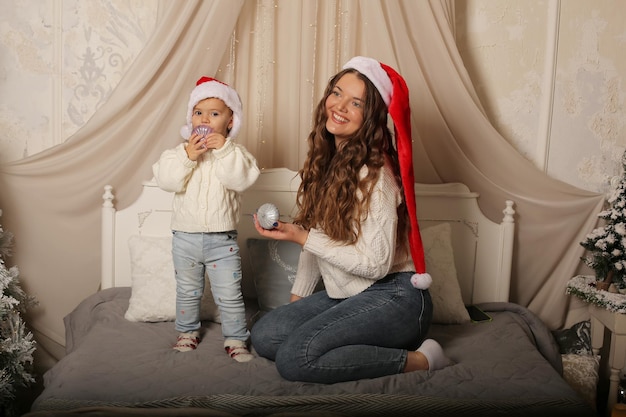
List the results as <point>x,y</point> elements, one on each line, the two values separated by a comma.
<point>510,366</point>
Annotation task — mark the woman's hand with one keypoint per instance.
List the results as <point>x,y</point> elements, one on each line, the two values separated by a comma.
<point>283,231</point>
<point>294,298</point>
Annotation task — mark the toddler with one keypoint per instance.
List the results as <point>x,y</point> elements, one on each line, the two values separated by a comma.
<point>207,174</point>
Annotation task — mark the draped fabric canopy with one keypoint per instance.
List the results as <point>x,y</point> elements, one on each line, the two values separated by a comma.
<point>279,55</point>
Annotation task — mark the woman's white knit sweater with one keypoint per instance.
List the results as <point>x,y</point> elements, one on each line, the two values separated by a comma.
<point>350,269</point>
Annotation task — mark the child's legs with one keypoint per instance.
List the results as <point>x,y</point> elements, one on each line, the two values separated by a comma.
<point>223,265</point>
<point>189,272</point>
<point>269,333</point>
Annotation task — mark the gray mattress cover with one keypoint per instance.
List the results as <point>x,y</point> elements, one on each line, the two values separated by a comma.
<point>511,363</point>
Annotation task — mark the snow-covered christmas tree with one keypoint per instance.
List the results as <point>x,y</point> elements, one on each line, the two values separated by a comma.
<point>16,342</point>
<point>607,244</point>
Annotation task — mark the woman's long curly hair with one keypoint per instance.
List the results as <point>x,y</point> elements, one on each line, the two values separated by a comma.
<point>328,196</point>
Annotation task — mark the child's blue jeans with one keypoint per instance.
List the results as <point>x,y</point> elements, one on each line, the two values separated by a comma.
<point>216,254</point>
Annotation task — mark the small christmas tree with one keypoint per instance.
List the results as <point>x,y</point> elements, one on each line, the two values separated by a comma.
<point>607,244</point>
<point>16,343</point>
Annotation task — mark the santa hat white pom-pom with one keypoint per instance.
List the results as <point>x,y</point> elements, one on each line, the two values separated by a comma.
<point>185,131</point>
<point>421,281</point>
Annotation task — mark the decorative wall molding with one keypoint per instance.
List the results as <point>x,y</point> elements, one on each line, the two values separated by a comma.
<point>61,61</point>
<point>549,74</point>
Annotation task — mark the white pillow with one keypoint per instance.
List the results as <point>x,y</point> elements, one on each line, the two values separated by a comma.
<point>153,293</point>
<point>448,306</point>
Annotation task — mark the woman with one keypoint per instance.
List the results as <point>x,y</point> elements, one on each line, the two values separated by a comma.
<point>353,225</point>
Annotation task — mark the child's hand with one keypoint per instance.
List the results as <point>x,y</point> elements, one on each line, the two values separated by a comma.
<point>195,147</point>
<point>215,140</point>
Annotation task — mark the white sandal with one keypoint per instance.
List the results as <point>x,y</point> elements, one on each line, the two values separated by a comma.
<point>237,350</point>
<point>187,341</point>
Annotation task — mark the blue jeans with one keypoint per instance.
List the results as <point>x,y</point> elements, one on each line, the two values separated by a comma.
<point>325,340</point>
<point>217,254</point>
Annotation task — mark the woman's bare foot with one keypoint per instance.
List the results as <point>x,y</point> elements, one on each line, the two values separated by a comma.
<point>415,361</point>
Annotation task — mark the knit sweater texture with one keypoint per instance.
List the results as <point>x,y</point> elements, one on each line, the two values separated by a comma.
<point>348,269</point>
<point>208,191</point>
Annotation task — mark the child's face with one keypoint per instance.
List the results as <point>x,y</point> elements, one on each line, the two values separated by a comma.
<point>344,107</point>
<point>213,112</point>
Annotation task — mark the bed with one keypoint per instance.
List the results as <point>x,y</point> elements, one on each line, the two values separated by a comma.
<point>119,340</point>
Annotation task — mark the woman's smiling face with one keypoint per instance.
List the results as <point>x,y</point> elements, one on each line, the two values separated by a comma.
<point>344,107</point>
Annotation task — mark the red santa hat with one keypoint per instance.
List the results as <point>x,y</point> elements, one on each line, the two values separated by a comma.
<point>395,93</point>
<point>207,87</point>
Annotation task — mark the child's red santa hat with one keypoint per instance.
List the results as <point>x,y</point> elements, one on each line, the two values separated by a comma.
<point>207,87</point>
<point>395,93</point>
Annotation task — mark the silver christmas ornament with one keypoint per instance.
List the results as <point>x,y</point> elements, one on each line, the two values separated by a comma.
<point>202,130</point>
<point>267,215</point>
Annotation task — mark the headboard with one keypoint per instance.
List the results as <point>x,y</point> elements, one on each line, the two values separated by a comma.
<point>482,249</point>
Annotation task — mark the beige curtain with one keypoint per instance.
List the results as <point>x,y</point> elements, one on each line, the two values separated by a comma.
<point>279,56</point>
<point>51,201</point>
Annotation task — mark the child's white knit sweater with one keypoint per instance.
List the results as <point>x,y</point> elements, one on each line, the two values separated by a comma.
<point>207,192</point>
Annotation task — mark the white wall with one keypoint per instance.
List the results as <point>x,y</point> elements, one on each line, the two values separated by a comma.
<point>551,77</point>
<point>59,62</point>
<point>550,74</point>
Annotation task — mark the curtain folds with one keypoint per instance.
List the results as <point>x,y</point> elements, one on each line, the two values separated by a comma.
<point>51,201</point>
<point>459,144</point>
<point>279,55</point>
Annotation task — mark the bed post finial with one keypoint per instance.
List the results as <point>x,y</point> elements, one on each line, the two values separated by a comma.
<point>107,238</point>
<point>108,196</point>
<point>508,211</point>
<point>506,257</point>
